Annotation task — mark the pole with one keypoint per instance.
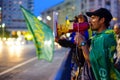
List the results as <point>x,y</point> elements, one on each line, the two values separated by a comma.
<point>3,32</point>
<point>3,26</point>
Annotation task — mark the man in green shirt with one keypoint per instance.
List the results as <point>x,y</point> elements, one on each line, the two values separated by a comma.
<point>103,45</point>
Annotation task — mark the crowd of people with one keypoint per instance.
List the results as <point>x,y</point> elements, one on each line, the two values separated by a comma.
<point>93,55</point>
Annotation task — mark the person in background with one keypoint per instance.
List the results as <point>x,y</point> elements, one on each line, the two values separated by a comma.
<point>99,57</point>
<point>80,25</point>
<point>117,32</point>
<point>117,55</point>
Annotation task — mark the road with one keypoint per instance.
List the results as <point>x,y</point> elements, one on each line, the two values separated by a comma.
<point>21,63</point>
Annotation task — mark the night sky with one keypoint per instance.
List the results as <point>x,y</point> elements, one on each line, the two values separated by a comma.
<point>41,5</point>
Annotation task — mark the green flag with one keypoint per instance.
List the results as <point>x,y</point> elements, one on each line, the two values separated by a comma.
<point>42,34</point>
<point>103,46</point>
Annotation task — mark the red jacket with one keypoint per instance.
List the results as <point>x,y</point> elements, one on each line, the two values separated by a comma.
<point>80,27</point>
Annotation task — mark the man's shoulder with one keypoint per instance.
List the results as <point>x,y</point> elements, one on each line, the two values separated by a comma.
<point>109,33</point>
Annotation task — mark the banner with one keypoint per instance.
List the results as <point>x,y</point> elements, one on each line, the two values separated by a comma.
<point>42,34</point>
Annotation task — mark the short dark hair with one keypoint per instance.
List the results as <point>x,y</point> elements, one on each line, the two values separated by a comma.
<point>107,22</point>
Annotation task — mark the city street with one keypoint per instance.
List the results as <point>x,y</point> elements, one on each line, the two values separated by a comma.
<point>21,63</point>
<point>87,30</point>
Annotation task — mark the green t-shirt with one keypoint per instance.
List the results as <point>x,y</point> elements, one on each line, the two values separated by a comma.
<point>103,46</point>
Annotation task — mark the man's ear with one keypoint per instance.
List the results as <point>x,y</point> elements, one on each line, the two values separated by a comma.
<point>102,20</point>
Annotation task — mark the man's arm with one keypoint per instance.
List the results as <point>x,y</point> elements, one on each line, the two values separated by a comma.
<point>79,39</point>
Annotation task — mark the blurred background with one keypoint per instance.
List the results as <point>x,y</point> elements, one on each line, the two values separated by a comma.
<point>12,23</point>
<point>14,33</point>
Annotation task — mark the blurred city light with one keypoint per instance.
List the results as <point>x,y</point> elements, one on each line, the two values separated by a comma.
<point>115,19</point>
<point>28,36</point>
<point>56,13</point>
<point>39,17</point>
<point>15,51</point>
<point>0,8</point>
<point>48,18</point>
<point>73,7</point>
<point>2,26</point>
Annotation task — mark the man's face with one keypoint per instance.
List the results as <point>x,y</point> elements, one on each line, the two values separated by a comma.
<point>94,23</point>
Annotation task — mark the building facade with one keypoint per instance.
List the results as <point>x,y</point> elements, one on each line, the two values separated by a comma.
<point>0,11</point>
<point>67,8</point>
<point>12,16</point>
<point>118,8</point>
<point>71,8</point>
<point>111,5</point>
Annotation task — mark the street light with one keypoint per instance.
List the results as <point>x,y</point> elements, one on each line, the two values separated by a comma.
<point>39,17</point>
<point>48,18</point>
<point>3,26</point>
